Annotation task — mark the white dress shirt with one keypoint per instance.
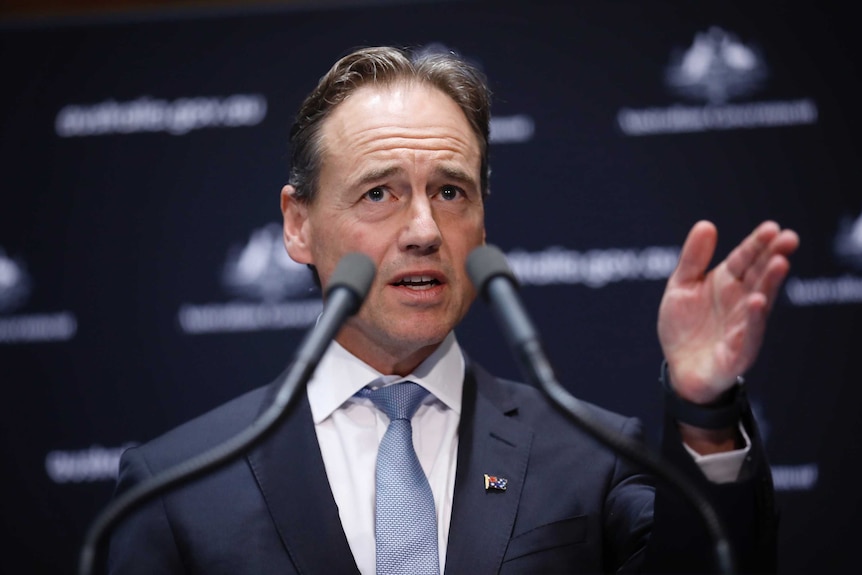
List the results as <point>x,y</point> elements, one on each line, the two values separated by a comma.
<point>349,430</point>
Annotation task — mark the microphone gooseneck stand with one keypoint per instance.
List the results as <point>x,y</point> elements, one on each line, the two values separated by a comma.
<point>344,295</point>
<point>489,270</point>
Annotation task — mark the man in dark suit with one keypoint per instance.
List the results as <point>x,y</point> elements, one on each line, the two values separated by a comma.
<point>390,159</point>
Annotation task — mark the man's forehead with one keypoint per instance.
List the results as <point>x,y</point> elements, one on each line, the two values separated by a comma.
<point>413,113</point>
<point>370,100</point>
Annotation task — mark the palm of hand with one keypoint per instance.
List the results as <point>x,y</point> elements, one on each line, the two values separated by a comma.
<point>711,325</point>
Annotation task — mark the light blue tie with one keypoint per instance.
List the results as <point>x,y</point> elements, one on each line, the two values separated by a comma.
<point>406,522</point>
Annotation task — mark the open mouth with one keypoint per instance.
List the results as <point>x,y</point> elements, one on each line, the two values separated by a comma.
<point>418,282</point>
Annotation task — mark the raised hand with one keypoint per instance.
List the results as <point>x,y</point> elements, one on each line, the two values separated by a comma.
<point>711,323</point>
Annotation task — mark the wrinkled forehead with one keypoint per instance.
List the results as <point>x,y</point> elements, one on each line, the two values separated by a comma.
<point>418,112</point>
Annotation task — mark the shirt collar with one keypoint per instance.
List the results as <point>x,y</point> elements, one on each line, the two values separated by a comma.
<point>340,374</point>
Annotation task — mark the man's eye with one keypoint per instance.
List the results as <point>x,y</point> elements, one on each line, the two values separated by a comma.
<point>376,194</point>
<point>450,192</point>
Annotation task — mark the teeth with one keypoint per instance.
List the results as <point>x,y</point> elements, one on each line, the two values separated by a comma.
<point>418,282</point>
<point>416,279</point>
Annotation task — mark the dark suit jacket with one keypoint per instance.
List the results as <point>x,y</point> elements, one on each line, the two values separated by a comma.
<point>571,505</point>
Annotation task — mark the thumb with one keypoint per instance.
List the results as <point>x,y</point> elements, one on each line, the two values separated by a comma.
<point>697,252</point>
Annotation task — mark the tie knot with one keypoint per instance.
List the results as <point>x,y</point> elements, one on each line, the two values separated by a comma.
<point>397,401</point>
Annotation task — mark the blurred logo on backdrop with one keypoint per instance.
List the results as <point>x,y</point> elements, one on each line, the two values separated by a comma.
<point>843,289</point>
<point>14,283</point>
<point>96,463</point>
<point>35,327</point>
<point>261,269</point>
<point>714,70</point>
<point>593,268</point>
<point>848,242</point>
<point>514,129</point>
<point>146,114</point>
<point>269,290</point>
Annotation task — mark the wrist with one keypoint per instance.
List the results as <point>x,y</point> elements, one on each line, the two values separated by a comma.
<point>723,413</point>
<point>710,441</point>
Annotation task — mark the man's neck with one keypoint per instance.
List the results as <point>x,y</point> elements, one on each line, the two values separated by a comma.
<point>386,360</point>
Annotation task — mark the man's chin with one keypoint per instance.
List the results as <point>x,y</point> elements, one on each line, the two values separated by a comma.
<point>419,338</point>
<point>402,338</point>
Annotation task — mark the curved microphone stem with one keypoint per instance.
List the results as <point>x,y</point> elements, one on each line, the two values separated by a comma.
<point>347,289</point>
<point>490,273</point>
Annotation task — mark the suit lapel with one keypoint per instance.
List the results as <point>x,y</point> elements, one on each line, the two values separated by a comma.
<point>490,442</point>
<point>290,472</point>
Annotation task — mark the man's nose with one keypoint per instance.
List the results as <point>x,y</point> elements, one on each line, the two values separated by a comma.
<point>421,232</point>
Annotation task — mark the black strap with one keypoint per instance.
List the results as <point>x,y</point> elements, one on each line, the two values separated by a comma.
<point>722,413</point>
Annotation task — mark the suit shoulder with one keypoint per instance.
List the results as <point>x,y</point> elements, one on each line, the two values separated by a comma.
<point>534,401</point>
<point>203,432</point>
<point>533,406</point>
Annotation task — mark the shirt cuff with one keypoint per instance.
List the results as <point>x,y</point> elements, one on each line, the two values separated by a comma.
<point>722,467</point>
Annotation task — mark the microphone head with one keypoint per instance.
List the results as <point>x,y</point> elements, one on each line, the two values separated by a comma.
<point>487,262</point>
<point>355,272</point>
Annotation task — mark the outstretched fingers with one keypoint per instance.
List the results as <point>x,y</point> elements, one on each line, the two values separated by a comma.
<point>748,260</point>
<point>761,262</point>
<point>773,276</point>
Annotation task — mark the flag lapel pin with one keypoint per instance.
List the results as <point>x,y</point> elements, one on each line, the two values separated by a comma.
<point>495,483</point>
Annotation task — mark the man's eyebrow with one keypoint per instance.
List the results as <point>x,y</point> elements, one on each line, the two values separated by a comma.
<point>455,173</point>
<point>444,172</point>
<point>376,174</point>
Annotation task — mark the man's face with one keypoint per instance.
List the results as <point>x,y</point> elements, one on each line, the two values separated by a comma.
<point>399,182</point>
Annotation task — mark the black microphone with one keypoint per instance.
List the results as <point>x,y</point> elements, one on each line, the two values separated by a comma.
<point>489,271</point>
<point>344,295</point>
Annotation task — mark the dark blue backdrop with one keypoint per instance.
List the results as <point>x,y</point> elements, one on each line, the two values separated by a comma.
<point>142,281</point>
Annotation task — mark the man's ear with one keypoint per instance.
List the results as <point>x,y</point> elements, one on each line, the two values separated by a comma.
<point>296,232</point>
